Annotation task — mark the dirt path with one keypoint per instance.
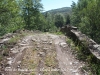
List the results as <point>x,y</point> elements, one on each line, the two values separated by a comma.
<point>43,54</point>
<point>67,62</point>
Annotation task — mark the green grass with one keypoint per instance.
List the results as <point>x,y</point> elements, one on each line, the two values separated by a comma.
<point>69,41</point>
<point>50,60</point>
<point>14,39</point>
<point>93,65</point>
<point>32,73</point>
<point>5,50</point>
<point>58,33</point>
<point>4,47</point>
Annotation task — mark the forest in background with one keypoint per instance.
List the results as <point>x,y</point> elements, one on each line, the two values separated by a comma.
<point>28,14</point>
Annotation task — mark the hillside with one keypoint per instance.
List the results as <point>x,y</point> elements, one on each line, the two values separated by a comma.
<point>64,10</point>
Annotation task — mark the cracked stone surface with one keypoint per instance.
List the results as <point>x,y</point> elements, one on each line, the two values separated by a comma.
<point>43,50</point>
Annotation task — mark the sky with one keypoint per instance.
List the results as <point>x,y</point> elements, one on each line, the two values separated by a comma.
<point>54,4</point>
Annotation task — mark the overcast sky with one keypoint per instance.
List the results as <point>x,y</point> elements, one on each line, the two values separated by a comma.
<point>54,4</point>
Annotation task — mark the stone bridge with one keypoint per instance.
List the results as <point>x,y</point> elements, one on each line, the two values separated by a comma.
<point>88,45</point>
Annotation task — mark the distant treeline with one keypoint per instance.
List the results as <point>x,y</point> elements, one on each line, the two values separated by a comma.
<point>27,14</point>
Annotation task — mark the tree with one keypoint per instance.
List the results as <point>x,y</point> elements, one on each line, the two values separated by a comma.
<point>31,8</point>
<point>67,20</point>
<point>10,19</point>
<point>86,16</point>
<point>75,17</point>
<point>50,22</point>
<point>59,20</point>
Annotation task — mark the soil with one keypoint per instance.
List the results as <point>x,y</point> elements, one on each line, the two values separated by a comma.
<point>42,54</point>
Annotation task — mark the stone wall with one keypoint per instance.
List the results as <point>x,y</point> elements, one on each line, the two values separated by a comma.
<point>88,45</point>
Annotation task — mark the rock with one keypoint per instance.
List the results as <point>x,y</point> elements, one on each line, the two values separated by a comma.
<point>9,58</point>
<point>18,66</point>
<point>9,35</point>
<point>5,40</point>
<point>34,40</point>
<point>76,62</point>
<point>70,63</point>
<point>15,51</point>
<point>76,73</point>
<point>38,46</point>
<point>50,42</point>
<point>1,74</point>
<point>45,42</point>
<point>19,62</point>
<point>45,48</point>
<point>41,54</point>
<point>96,46</point>
<point>63,44</point>
<point>9,62</point>
<point>92,42</point>
<point>7,68</point>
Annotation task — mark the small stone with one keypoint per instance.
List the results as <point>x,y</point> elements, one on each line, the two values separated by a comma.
<point>15,51</point>
<point>63,44</point>
<point>18,66</point>
<point>45,42</point>
<point>34,40</point>
<point>41,53</point>
<point>50,42</point>
<point>9,62</point>
<point>70,63</point>
<point>45,48</point>
<point>39,74</point>
<point>76,73</point>
<point>38,46</point>
<point>9,58</point>
<point>8,68</point>
<point>19,62</point>
<point>76,62</point>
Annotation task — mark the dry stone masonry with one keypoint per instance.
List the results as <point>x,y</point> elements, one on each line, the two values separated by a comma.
<point>79,38</point>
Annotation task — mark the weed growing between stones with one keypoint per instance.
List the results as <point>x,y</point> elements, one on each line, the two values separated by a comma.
<point>83,54</point>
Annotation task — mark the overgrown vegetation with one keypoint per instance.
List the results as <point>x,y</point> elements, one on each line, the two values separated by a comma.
<point>86,16</point>
<point>57,20</point>
<point>82,54</point>
<point>4,51</point>
<point>23,14</point>
<point>14,40</point>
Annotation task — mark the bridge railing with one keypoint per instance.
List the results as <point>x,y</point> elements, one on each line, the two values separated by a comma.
<point>88,45</point>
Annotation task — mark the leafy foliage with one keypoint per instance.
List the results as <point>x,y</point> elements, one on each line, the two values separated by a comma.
<point>30,11</point>
<point>26,14</point>
<point>86,16</point>
<point>59,20</point>
<point>10,20</point>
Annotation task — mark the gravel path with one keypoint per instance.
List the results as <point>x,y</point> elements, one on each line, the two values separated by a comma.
<point>44,44</point>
